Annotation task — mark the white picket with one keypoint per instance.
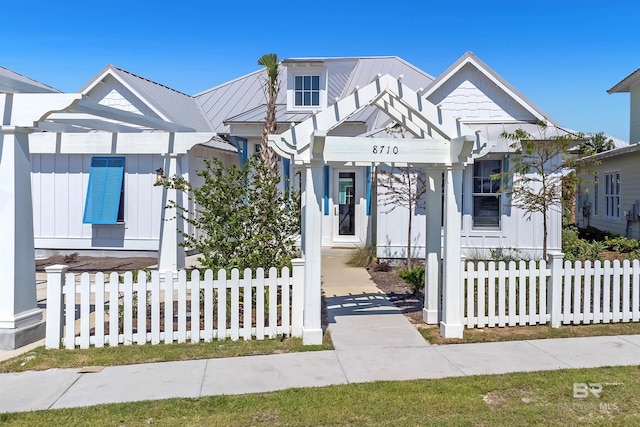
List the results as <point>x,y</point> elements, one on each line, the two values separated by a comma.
<point>577,293</point>
<point>85,309</point>
<point>513,272</point>
<point>260,304</point>
<point>70,311</point>
<point>597,292</point>
<point>127,321</point>
<point>168,307</point>
<point>635,296</point>
<point>285,315</point>
<point>542,295</point>
<point>522,293</point>
<point>247,304</point>
<point>195,305</point>
<point>617,284</point>
<point>141,292</point>
<point>114,308</point>
<point>567,314</point>
<point>155,307</point>
<point>99,305</point>
<point>207,334</point>
<point>482,277</point>
<point>587,299</point>
<point>502,274</point>
<point>533,317</point>
<point>491,296</point>
<point>234,284</point>
<point>626,290</point>
<point>273,302</point>
<point>221,287</point>
<point>471,286</point>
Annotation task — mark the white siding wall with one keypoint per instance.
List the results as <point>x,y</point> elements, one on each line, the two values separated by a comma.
<point>634,133</point>
<point>59,184</point>
<point>472,96</point>
<point>627,165</point>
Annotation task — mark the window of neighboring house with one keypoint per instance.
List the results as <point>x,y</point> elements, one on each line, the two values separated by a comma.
<point>612,195</point>
<point>486,202</point>
<point>105,193</point>
<point>307,91</point>
<point>595,194</point>
<point>258,147</point>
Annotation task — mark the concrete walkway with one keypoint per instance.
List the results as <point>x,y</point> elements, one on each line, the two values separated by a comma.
<point>373,341</point>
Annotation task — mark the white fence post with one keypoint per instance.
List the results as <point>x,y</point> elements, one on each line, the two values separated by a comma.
<point>297,297</point>
<point>55,309</point>
<point>554,304</point>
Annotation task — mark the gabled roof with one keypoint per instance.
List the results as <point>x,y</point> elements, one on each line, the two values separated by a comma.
<point>470,59</point>
<point>625,84</point>
<point>12,82</point>
<point>241,99</point>
<point>169,104</point>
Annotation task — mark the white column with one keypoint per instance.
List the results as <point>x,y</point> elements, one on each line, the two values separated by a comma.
<point>171,256</point>
<point>431,312</point>
<point>20,318</point>
<point>312,252</point>
<point>451,324</point>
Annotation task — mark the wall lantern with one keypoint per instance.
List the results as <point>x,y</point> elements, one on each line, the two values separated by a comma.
<point>159,176</point>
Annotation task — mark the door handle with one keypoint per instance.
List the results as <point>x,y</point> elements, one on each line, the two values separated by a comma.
<point>336,210</point>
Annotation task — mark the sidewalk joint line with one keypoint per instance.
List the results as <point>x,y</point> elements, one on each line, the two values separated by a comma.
<point>65,391</point>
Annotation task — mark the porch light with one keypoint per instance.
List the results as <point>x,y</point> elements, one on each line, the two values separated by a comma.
<point>159,175</point>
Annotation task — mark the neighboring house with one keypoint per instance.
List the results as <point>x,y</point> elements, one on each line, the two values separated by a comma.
<point>482,102</point>
<point>609,194</point>
<point>93,182</point>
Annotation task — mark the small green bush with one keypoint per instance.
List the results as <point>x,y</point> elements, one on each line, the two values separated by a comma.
<point>414,278</point>
<point>578,249</point>
<point>362,256</point>
<point>621,244</point>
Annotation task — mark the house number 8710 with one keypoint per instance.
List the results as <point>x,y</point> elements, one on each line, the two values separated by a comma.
<point>385,149</point>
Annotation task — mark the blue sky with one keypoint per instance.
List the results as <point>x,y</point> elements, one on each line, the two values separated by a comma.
<point>562,55</point>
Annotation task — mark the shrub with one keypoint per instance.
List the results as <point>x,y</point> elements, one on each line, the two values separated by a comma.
<point>621,244</point>
<point>577,249</point>
<point>414,278</point>
<point>362,256</point>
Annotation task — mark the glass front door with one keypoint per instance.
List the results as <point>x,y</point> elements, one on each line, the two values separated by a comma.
<point>347,203</point>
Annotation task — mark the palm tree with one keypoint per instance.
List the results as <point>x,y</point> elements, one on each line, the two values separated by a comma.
<point>271,88</point>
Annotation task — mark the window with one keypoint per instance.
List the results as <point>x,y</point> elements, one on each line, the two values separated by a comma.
<point>595,194</point>
<point>486,203</point>
<point>105,192</point>
<point>612,195</point>
<point>307,91</point>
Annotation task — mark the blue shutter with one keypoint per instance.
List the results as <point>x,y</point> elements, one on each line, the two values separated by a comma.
<point>103,193</point>
<point>326,190</point>
<point>286,169</point>
<point>242,146</point>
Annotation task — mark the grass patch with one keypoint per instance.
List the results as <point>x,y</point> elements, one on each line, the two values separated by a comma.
<point>432,332</point>
<point>534,398</point>
<point>41,359</point>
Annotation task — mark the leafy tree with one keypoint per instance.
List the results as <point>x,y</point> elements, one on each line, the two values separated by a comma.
<point>537,173</point>
<point>242,219</point>
<point>271,88</point>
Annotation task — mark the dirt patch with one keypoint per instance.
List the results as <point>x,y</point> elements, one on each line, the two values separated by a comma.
<point>399,293</point>
<point>78,264</point>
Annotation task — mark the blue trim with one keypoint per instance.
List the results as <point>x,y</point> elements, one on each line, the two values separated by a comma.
<point>242,146</point>
<point>326,190</point>
<point>368,178</point>
<point>286,166</point>
<point>106,176</point>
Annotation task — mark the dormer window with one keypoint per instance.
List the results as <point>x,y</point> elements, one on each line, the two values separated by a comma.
<point>306,85</point>
<point>307,91</point>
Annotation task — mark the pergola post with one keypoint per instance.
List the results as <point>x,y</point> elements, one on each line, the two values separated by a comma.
<point>20,318</point>
<point>171,254</point>
<point>431,310</point>
<point>312,252</point>
<point>451,324</point>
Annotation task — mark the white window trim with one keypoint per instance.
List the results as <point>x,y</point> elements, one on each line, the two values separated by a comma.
<point>292,72</point>
<point>615,215</point>
<point>474,194</point>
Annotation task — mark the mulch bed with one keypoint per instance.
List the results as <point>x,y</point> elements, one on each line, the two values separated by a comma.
<point>80,264</point>
<point>398,292</point>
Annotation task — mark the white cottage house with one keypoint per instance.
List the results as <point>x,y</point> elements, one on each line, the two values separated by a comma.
<point>93,182</point>
<point>476,97</point>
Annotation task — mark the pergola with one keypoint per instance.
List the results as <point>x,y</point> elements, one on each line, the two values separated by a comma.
<point>70,122</point>
<point>442,147</point>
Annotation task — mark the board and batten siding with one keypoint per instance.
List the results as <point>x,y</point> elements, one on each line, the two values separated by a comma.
<point>59,185</point>
<point>627,165</point>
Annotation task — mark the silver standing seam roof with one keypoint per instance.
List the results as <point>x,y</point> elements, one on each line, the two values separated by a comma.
<point>175,106</point>
<point>243,101</point>
<point>12,82</point>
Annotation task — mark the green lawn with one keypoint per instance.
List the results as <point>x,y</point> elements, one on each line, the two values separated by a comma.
<point>539,398</point>
<point>41,359</point>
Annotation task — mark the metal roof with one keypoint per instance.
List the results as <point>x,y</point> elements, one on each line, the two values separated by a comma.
<point>12,82</point>
<point>172,105</point>
<point>625,84</point>
<point>243,99</point>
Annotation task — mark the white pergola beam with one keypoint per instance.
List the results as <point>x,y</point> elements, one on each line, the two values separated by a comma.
<point>89,122</point>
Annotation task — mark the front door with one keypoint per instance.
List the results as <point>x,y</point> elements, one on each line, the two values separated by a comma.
<point>346,206</point>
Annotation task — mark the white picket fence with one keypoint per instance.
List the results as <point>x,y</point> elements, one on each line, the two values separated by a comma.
<point>500,294</point>
<point>85,310</point>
